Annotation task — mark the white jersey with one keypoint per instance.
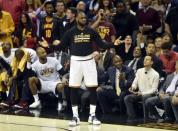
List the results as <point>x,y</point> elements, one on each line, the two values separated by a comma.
<point>47,71</point>
<point>8,59</point>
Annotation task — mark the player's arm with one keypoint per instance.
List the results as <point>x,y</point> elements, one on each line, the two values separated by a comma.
<point>105,45</point>
<point>6,66</point>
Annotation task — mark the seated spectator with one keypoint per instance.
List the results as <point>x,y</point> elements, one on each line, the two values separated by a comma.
<point>145,85</point>
<point>135,62</point>
<point>174,104</point>
<point>105,60</point>
<point>121,78</point>
<point>168,57</point>
<point>162,99</point>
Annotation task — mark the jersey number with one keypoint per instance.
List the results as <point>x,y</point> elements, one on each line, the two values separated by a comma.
<point>48,33</point>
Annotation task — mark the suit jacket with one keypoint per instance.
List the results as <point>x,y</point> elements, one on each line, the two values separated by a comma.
<point>129,75</point>
<point>138,63</point>
<point>167,82</point>
<point>107,60</point>
<point>64,58</point>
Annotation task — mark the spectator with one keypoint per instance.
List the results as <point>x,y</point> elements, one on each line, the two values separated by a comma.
<point>124,22</point>
<point>168,57</point>
<point>148,18</point>
<point>158,44</point>
<point>121,78</point>
<point>144,86</point>
<point>6,27</point>
<point>25,34</point>
<point>172,25</point>
<point>137,56</point>
<point>125,49</point>
<point>162,100</point>
<point>15,10</point>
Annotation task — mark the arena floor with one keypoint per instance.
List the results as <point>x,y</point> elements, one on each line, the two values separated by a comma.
<point>23,123</point>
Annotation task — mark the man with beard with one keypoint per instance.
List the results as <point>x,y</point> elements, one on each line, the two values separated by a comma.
<point>80,39</point>
<point>47,79</point>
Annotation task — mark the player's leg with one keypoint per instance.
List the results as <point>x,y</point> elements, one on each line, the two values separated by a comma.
<point>90,78</point>
<point>58,91</point>
<point>76,75</point>
<point>34,87</point>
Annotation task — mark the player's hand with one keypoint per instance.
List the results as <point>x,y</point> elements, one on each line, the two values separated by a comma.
<point>118,41</point>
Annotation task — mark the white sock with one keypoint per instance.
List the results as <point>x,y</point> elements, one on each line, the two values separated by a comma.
<point>75,111</point>
<point>92,110</point>
<point>36,97</point>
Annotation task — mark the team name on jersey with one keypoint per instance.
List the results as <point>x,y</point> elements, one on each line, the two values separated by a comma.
<point>48,26</point>
<point>47,71</point>
<point>82,38</point>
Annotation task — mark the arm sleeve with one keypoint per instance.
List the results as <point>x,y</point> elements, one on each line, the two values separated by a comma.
<point>65,41</point>
<point>6,66</point>
<point>11,26</point>
<point>97,39</point>
<point>135,82</point>
<point>56,29</point>
<point>154,87</point>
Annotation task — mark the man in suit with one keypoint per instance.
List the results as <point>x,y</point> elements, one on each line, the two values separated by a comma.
<point>105,60</point>
<point>163,99</point>
<point>121,78</point>
<point>137,56</point>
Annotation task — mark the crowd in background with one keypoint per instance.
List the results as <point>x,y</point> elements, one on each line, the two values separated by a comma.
<point>142,68</point>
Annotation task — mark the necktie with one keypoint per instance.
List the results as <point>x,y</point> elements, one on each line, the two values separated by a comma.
<point>133,63</point>
<point>57,56</point>
<point>100,62</point>
<point>118,89</point>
